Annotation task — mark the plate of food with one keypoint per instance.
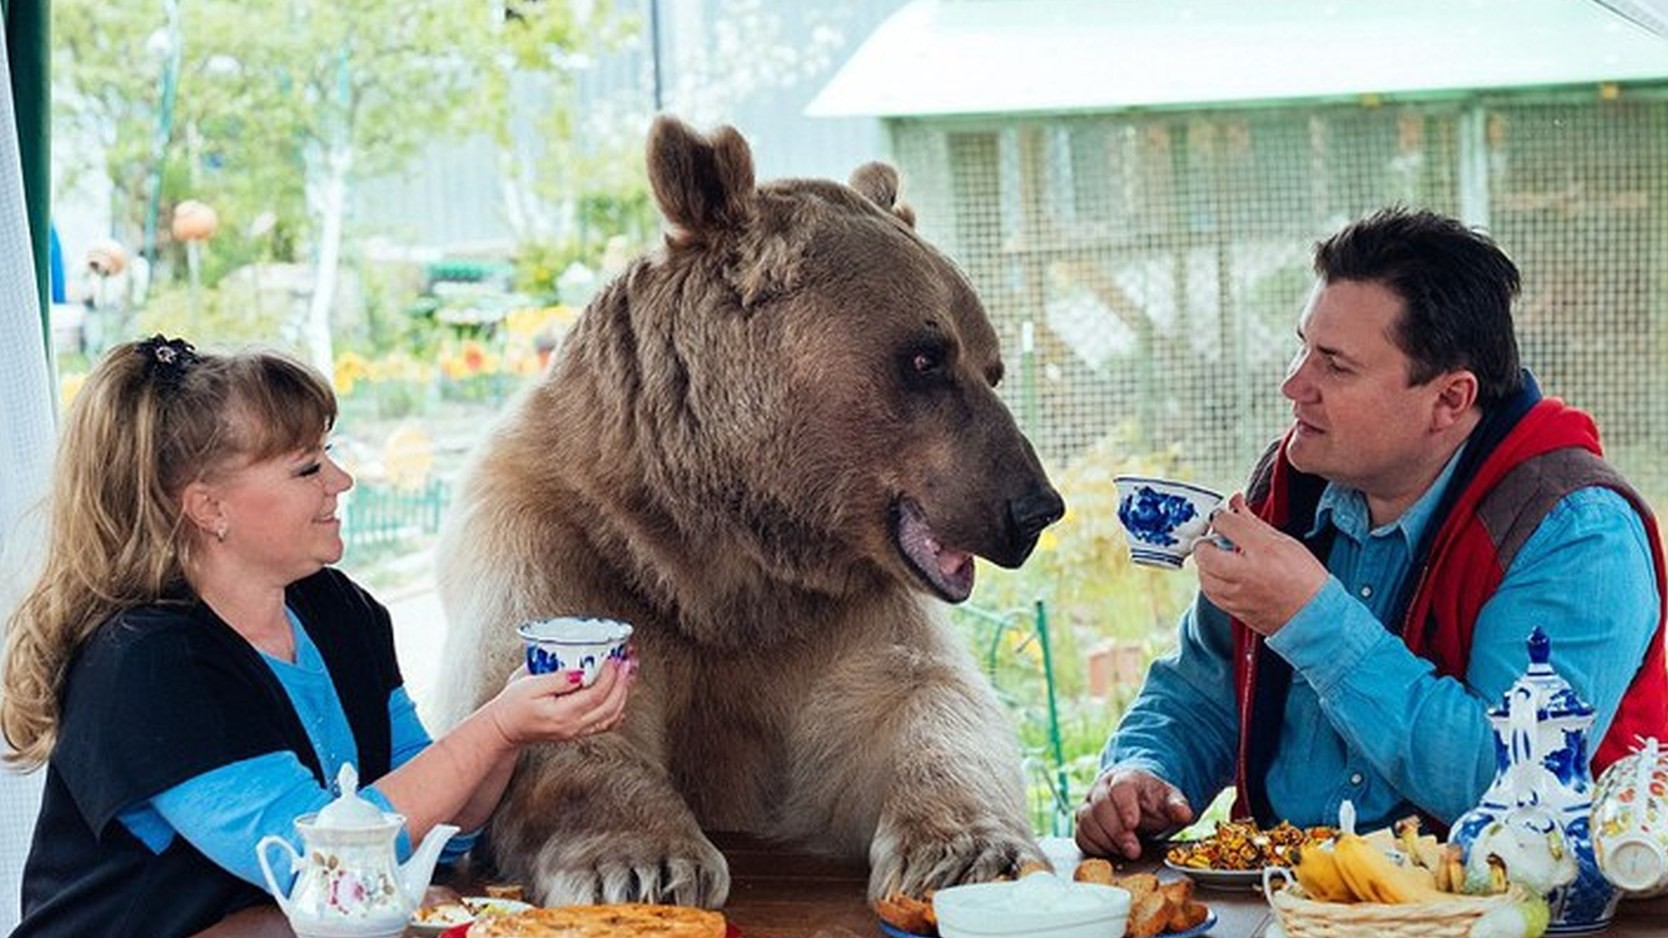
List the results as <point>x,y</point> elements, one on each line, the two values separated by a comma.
<point>1155,908</point>
<point>431,921</point>
<point>1221,879</point>
<point>604,921</point>
<point>1199,929</point>
<point>1234,855</point>
<point>1203,927</point>
<point>904,916</point>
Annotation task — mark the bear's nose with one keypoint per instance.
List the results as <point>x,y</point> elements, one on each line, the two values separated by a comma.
<point>1033,511</point>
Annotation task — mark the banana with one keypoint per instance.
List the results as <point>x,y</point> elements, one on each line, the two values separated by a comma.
<point>1453,868</point>
<point>1498,881</point>
<point>1317,872</point>
<point>1374,877</point>
<point>1424,877</point>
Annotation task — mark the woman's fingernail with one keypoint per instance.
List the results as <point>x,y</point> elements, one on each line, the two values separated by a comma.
<point>574,677</point>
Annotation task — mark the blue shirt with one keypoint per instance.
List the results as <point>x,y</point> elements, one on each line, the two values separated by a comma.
<point>1368,720</point>
<point>226,811</point>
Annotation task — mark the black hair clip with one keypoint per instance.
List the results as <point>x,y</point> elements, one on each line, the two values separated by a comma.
<point>166,360</point>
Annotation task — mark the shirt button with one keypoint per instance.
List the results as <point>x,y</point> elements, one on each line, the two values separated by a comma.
<point>1366,592</point>
<point>1355,778</point>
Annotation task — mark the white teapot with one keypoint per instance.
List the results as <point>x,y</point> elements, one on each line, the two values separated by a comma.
<point>349,884</point>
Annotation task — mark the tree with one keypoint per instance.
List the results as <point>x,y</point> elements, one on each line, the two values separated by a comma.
<point>278,108</point>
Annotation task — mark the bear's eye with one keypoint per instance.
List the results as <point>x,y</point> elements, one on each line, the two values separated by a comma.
<point>924,365</point>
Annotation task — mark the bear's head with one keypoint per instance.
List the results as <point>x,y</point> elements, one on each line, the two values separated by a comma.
<point>812,386</point>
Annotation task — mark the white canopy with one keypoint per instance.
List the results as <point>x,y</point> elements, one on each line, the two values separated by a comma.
<point>943,57</point>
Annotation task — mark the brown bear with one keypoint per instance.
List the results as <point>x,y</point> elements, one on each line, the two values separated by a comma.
<point>774,447</point>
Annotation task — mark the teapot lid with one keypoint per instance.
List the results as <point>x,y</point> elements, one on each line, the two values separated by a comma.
<point>1556,699</point>
<point>349,810</point>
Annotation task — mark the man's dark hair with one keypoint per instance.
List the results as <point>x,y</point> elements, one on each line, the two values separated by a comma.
<point>1456,287</point>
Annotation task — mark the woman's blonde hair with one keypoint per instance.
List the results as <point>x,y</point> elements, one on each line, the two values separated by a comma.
<point>153,417</point>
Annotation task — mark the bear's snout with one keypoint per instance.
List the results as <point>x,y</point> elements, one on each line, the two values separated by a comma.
<point>1035,510</point>
<point>1028,515</point>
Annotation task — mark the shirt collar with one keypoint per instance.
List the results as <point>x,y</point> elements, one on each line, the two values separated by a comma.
<point>1345,508</point>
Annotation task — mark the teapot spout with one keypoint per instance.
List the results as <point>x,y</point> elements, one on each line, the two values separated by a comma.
<point>415,872</point>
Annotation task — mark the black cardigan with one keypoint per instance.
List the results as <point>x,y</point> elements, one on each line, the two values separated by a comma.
<point>159,695</point>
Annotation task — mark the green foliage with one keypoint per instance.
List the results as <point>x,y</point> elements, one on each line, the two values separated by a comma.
<point>538,264</point>
<point>1093,594</point>
<point>1081,567</point>
<point>271,99</point>
<point>225,314</point>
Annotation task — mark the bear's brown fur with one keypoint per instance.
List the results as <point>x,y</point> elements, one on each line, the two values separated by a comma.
<point>773,447</point>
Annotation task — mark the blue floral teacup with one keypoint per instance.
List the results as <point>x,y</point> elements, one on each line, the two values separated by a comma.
<point>1163,518</point>
<point>570,643</point>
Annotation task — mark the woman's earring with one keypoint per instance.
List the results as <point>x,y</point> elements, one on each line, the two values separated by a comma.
<point>220,533</point>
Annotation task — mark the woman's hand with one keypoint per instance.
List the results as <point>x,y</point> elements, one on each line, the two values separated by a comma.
<point>554,708</point>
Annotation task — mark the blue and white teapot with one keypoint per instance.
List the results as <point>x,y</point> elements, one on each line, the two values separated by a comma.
<point>1535,816</point>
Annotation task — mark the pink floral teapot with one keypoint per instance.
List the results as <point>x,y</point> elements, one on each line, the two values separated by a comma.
<point>349,883</point>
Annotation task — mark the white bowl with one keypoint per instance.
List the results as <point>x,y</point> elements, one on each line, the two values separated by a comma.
<point>1041,904</point>
<point>573,643</point>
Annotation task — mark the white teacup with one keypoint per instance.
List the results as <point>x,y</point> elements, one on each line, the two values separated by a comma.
<point>1629,823</point>
<point>1164,518</point>
<point>572,643</point>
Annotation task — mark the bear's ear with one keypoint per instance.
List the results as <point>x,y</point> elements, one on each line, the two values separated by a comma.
<point>878,182</point>
<point>703,184</point>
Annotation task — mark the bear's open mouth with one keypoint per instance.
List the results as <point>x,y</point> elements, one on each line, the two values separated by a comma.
<point>948,571</point>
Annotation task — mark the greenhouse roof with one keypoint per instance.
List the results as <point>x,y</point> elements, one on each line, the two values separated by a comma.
<point>944,57</point>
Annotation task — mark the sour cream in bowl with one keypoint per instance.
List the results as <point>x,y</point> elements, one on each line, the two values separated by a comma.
<point>1038,905</point>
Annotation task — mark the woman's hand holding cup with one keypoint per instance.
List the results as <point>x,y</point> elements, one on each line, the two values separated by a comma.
<point>554,707</point>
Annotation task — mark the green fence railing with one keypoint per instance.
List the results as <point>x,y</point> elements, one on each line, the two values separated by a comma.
<point>1019,682</point>
<point>379,515</point>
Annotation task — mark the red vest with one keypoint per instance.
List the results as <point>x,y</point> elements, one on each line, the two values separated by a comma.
<point>1475,544</point>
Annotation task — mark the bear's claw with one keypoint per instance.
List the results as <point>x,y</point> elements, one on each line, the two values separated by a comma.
<point>979,853</point>
<point>632,868</point>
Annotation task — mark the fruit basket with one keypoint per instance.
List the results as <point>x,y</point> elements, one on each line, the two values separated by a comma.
<point>1302,917</point>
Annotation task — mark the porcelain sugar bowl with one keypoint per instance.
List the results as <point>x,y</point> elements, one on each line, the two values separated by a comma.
<point>1534,817</point>
<point>349,883</point>
<point>1630,820</point>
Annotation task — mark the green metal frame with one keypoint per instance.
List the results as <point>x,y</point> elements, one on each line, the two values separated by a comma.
<point>1034,622</point>
<point>28,48</point>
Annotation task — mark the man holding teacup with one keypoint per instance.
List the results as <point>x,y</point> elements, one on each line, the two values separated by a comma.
<point>1369,595</point>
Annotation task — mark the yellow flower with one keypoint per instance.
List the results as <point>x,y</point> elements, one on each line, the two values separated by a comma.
<point>351,368</point>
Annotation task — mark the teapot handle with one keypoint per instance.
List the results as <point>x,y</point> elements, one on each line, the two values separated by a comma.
<point>261,852</point>
<point>1524,751</point>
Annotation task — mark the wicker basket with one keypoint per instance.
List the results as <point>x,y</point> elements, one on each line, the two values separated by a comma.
<point>1302,917</point>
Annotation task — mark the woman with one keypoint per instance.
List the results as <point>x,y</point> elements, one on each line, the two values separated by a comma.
<point>191,671</point>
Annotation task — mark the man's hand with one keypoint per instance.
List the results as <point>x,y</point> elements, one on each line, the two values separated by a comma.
<point>1264,578</point>
<point>1123,804</point>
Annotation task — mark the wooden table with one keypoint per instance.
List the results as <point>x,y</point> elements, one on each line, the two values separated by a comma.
<point>776,893</point>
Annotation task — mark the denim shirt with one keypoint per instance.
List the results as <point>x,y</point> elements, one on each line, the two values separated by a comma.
<point>1369,721</point>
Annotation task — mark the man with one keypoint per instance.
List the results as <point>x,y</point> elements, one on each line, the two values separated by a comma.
<point>1426,510</point>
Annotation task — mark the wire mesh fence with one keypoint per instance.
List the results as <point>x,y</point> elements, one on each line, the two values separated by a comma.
<point>1146,269</point>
